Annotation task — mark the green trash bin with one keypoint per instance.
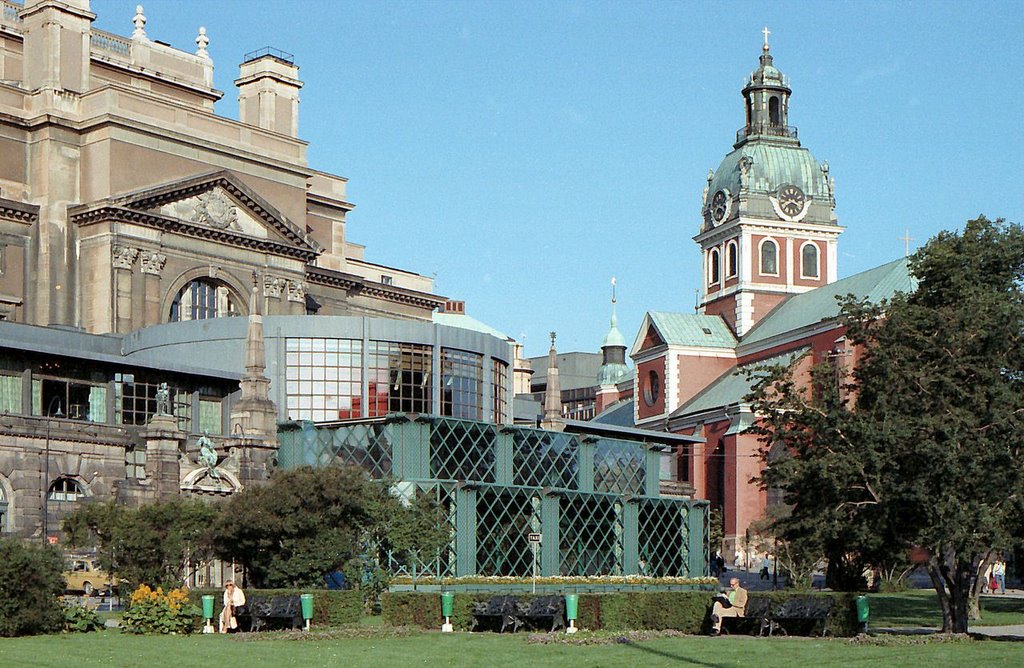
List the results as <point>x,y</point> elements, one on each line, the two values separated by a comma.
<point>307,607</point>
<point>447,603</point>
<point>572,606</point>
<point>863,611</point>
<point>208,607</point>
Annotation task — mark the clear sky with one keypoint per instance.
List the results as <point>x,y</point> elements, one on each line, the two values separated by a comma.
<point>525,152</point>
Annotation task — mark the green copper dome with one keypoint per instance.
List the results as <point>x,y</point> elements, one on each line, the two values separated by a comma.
<point>609,374</point>
<point>771,164</point>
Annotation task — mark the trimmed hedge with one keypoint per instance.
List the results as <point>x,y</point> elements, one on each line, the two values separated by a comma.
<point>330,607</point>
<point>685,611</point>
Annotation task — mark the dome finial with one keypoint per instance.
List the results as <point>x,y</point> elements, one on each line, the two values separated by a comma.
<point>766,32</point>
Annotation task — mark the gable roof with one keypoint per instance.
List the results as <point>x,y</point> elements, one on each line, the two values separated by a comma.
<point>812,307</point>
<point>619,414</point>
<point>142,206</point>
<point>686,329</point>
<point>731,386</point>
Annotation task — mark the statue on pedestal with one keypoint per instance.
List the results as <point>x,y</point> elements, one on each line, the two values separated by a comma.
<point>163,400</point>
<point>207,455</point>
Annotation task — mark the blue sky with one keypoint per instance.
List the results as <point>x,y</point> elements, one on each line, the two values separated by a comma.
<point>525,152</point>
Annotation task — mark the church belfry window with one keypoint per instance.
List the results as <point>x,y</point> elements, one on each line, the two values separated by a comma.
<point>714,268</point>
<point>773,110</point>
<point>769,258</point>
<point>731,260</point>
<point>809,261</point>
<point>203,299</point>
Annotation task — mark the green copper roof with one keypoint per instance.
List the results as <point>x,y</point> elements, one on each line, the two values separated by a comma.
<point>690,329</point>
<point>614,336</point>
<point>731,387</point>
<point>820,304</point>
<point>774,163</point>
<point>609,374</point>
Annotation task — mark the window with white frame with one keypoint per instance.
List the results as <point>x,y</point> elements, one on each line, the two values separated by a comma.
<point>731,259</point>
<point>714,267</point>
<point>809,260</point>
<point>769,258</point>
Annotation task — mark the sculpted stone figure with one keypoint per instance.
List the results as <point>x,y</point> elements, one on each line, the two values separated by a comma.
<point>207,455</point>
<point>163,400</point>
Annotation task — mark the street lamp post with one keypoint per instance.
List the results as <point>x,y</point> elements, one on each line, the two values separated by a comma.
<point>46,469</point>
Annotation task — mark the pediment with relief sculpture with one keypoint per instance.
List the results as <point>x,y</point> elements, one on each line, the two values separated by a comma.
<point>217,206</point>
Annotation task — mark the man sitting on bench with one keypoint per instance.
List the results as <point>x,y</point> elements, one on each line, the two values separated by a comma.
<point>731,605</point>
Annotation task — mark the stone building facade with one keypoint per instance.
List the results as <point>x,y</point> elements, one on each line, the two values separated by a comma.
<point>134,223</point>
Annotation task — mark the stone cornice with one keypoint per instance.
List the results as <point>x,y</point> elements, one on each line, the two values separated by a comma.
<point>92,214</point>
<point>329,202</point>
<point>18,211</point>
<point>359,286</point>
<point>781,227</point>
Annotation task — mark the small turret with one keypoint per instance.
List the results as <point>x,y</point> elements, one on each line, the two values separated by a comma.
<point>613,351</point>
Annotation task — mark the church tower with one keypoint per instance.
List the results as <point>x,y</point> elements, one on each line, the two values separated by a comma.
<point>769,228</point>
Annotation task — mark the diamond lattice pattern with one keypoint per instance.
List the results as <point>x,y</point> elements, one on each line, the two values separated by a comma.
<point>504,518</point>
<point>664,538</point>
<point>590,529</point>
<point>618,467</point>
<point>545,458</point>
<point>442,562</point>
<point>462,450</point>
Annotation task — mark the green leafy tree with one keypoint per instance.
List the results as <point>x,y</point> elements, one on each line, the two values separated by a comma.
<point>30,588</point>
<point>928,455</point>
<point>152,544</point>
<point>302,525</point>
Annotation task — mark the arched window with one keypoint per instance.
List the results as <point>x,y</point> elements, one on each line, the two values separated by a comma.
<point>66,490</point>
<point>3,509</point>
<point>714,270</point>
<point>809,260</point>
<point>773,111</point>
<point>731,250</point>
<point>202,299</point>
<point>769,257</point>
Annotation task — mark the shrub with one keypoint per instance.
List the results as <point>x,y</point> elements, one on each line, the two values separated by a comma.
<point>30,588</point>
<point>330,607</point>
<point>152,611</point>
<point>80,619</point>
<point>684,611</point>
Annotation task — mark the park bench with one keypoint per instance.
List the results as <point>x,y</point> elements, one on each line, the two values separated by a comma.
<point>544,612</point>
<point>801,614</point>
<point>264,612</point>
<point>754,619</point>
<point>500,612</point>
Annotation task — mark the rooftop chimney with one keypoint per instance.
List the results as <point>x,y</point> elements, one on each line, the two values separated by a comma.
<point>268,91</point>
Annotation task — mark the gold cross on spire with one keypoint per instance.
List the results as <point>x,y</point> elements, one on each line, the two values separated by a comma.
<point>766,32</point>
<point>906,239</point>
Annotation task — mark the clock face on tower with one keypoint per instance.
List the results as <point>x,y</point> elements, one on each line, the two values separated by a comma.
<point>791,200</point>
<point>720,206</point>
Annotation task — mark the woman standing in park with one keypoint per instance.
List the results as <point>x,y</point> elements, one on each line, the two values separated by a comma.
<point>233,598</point>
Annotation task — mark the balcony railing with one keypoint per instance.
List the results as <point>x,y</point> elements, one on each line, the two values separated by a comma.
<point>766,129</point>
<point>106,41</point>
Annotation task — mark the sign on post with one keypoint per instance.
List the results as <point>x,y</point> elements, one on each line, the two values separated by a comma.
<point>533,537</point>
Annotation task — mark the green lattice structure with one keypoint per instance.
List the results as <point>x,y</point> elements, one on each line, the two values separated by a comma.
<point>593,499</point>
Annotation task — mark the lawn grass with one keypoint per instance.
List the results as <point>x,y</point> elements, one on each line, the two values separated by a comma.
<point>111,648</point>
<point>920,607</point>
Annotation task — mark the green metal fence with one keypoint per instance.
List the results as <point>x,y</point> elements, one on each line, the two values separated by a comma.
<point>593,500</point>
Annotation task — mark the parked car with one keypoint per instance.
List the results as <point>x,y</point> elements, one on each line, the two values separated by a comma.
<point>83,575</point>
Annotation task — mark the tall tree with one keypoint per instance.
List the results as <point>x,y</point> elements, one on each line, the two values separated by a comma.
<point>930,453</point>
<point>152,544</point>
